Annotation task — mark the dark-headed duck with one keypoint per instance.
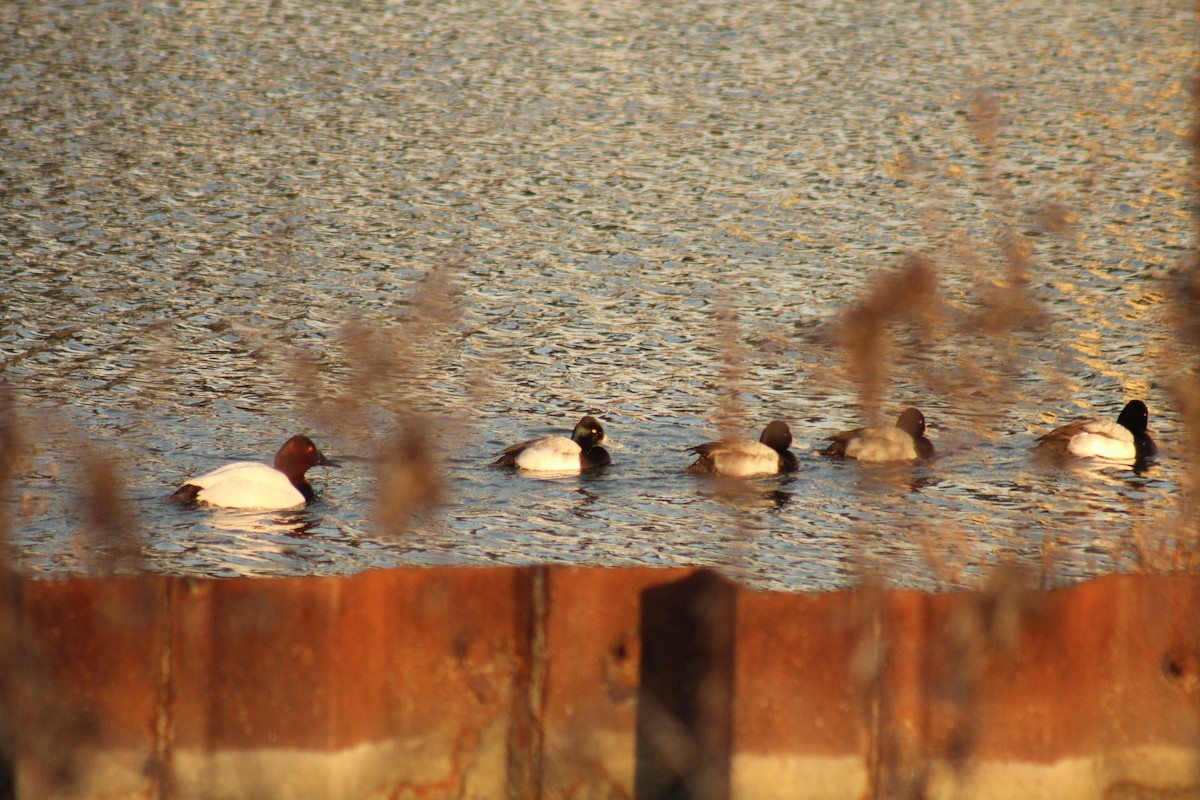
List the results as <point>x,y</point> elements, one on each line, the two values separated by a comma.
<point>580,451</point>
<point>903,441</point>
<point>741,458</point>
<point>251,484</point>
<point>1126,440</point>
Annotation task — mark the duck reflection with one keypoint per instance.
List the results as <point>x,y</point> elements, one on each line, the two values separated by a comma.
<point>770,495</point>
<point>263,523</point>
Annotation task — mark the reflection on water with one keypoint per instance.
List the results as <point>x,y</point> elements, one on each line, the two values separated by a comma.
<point>197,202</point>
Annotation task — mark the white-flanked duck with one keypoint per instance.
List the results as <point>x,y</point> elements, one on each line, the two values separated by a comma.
<point>904,441</point>
<point>580,451</point>
<point>1126,441</point>
<point>742,458</point>
<point>251,484</point>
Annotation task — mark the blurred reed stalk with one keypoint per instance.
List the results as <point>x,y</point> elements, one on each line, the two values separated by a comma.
<point>985,324</point>
<point>909,297</point>
<point>731,371</point>
<point>387,366</point>
<point>908,294</point>
<point>1005,306</point>
<point>108,538</point>
<point>111,539</point>
<point>1176,546</point>
<point>11,444</point>
<point>981,337</point>
<point>51,731</point>
<point>730,417</point>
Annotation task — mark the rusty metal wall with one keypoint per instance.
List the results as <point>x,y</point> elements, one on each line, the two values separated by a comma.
<point>591,683</point>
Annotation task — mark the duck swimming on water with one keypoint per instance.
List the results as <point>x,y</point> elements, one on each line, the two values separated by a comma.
<point>251,484</point>
<point>741,458</point>
<point>903,441</point>
<point>1126,440</point>
<point>578,452</point>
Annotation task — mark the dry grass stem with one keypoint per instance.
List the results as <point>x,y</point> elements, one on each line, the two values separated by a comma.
<point>410,482</point>
<point>1177,545</point>
<point>383,385</point>
<point>12,445</point>
<point>111,537</point>
<point>908,294</point>
<point>731,411</point>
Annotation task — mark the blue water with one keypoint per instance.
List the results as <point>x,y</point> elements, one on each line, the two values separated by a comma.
<point>234,222</point>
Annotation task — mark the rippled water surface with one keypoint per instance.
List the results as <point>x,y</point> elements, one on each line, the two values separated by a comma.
<point>224,223</point>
